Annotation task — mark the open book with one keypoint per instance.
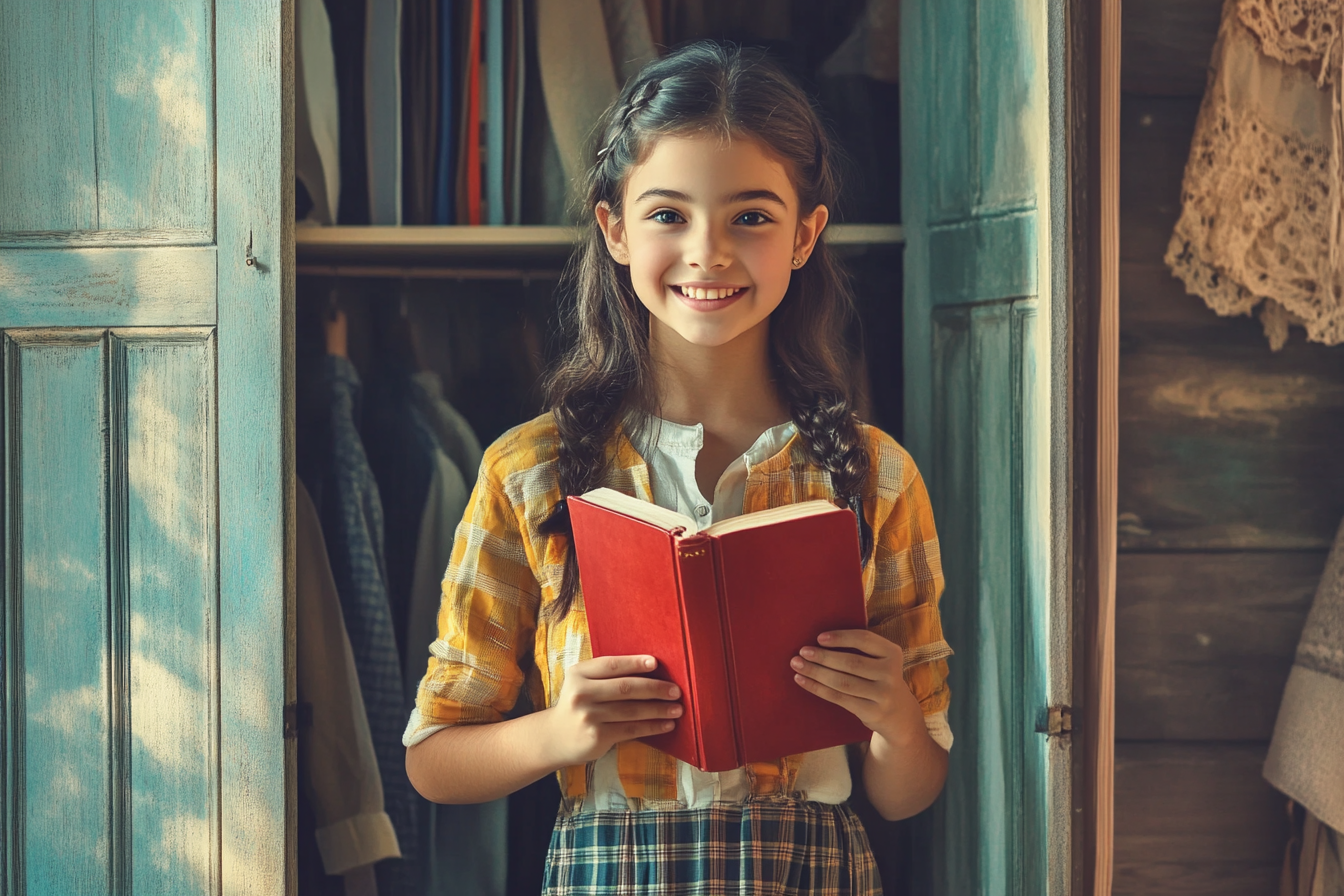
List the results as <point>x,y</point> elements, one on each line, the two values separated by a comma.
<point>724,610</point>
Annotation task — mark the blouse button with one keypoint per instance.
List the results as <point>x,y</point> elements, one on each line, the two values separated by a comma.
<point>702,510</point>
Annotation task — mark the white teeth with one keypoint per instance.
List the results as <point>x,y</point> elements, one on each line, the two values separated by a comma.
<point>696,292</point>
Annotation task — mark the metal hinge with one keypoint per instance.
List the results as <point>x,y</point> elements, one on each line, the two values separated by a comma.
<point>297,715</point>
<point>1058,720</point>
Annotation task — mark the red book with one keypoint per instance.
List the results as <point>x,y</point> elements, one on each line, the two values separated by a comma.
<point>724,610</point>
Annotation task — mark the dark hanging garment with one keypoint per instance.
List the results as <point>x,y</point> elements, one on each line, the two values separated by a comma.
<point>352,521</point>
<point>343,824</point>
<point>420,105</point>
<point>445,164</point>
<point>401,455</point>
<point>347,41</point>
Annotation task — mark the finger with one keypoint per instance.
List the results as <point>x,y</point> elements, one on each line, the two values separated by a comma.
<point>838,681</point>
<point>869,642</point>
<point>632,730</point>
<point>858,665</point>
<point>856,705</point>
<point>636,711</point>
<point>615,666</point>
<point>632,689</point>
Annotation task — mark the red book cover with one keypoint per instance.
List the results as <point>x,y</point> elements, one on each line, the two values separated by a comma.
<point>724,611</point>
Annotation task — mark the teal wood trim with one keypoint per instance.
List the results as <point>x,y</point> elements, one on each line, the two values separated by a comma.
<point>983,259</point>
<point>1033,659</point>
<point>107,287</point>
<point>1059,404</point>
<point>11,623</point>
<point>255,185</point>
<point>119,619</point>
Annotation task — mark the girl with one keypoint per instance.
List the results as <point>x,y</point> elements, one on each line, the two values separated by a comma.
<point>707,373</point>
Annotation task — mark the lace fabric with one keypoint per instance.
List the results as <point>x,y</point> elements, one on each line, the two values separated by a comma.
<point>1260,203</point>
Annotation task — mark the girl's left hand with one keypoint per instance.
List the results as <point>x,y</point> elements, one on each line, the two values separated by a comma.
<point>871,686</point>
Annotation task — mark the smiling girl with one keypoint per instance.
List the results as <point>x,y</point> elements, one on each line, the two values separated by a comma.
<point>706,372</point>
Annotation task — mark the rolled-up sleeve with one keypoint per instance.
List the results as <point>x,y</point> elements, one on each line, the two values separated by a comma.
<point>907,567</point>
<point>487,618</point>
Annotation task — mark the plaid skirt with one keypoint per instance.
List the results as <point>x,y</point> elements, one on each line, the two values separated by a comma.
<point>776,846</point>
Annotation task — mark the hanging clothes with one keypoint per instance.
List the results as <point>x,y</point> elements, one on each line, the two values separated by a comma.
<point>1261,199</point>
<point>339,781</point>
<point>452,431</point>
<point>352,521</point>
<point>466,847</point>
<point>577,77</point>
<point>445,164</point>
<point>400,449</point>
<point>1313,862</point>
<point>347,38</point>
<point>420,82</point>
<point>382,110</point>
<point>1306,756</point>
<point>317,130</point>
<point>629,36</point>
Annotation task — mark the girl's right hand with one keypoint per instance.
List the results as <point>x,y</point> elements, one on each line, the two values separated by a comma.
<point>604,701</point>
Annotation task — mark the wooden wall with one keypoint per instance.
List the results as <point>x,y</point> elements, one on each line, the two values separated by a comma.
<point>1231,486</point>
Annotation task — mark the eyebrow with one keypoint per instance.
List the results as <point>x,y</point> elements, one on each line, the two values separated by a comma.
<point>744,196</point>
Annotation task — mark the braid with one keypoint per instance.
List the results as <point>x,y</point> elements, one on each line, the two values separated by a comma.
<point>638,102</point>
<point>833,438</point>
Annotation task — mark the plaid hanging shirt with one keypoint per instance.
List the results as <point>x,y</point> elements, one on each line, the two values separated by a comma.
<point>498,636</point>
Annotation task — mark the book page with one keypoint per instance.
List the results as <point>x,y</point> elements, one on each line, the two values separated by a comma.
<point>773,515</point>
<point>622,503</point>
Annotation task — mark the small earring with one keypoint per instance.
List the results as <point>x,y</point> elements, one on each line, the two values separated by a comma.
<point>797,262</point>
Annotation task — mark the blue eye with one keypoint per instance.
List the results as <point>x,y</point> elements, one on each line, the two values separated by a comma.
<point>658,216</point>
<point>761,218</point>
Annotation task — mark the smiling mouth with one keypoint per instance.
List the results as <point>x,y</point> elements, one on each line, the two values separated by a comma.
<point>709,295</point>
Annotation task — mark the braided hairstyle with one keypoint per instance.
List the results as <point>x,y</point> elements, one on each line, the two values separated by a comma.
<point>604,376</point>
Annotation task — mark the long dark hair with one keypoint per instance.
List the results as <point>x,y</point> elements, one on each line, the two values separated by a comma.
<point>604,377</point>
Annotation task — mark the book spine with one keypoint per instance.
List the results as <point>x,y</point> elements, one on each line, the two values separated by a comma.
<point>715,716</point>
<point>729,659</point>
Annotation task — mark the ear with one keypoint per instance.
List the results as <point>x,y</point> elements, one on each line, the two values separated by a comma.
<point>613,230</point>
<point>809,229</point>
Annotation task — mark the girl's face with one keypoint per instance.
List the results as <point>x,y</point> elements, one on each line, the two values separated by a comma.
<point>710,230</point>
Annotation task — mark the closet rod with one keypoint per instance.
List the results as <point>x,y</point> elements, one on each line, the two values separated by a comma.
<point>424,273</point>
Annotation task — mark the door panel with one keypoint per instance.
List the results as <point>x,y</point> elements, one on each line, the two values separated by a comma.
<point>45,95</point>
<point>114,101</point>
<point>143,319</point>
<point>985,357</point>
<point>111,654</point>
<point>58,698</point>
<point>153,82</point>
<point>164,384</point>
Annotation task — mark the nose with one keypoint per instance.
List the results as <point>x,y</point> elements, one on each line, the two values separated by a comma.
<point>707,248</point>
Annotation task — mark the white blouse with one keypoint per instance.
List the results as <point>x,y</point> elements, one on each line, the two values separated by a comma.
<point>670,450</point>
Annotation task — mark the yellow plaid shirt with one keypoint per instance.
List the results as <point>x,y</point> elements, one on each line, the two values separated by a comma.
<point>496,635</point>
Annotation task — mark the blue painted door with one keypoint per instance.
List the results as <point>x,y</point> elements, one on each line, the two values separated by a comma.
<point>142,576</point>
<point>982,377</point>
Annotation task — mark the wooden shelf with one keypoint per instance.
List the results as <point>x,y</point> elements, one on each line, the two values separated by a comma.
<point>485,245</point>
